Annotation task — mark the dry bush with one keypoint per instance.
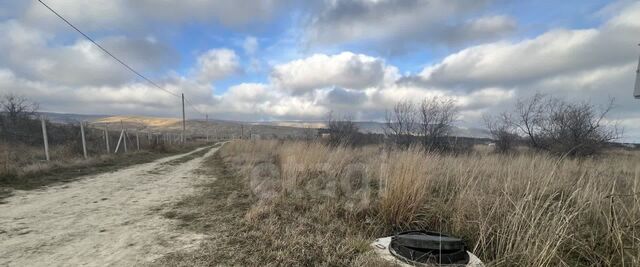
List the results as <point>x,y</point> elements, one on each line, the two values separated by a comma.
<point>564,128</point>
<point>342,131</point>
<point>524,210</point>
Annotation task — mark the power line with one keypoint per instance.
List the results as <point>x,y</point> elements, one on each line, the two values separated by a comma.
<point>193,106</point>
<point>116,58</point>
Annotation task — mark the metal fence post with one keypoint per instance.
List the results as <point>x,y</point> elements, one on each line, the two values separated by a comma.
<point>119,140</point>
<point>45,138</point>
<point>138,141</point>
<point>106,138</point>
<point>124,143</point>
<point>84,142</point>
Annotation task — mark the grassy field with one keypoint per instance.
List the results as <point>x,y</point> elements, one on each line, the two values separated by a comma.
<point>297,203</point>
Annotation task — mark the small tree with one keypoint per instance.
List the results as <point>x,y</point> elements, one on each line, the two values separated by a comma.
<point>342,131</point>
<point>17,119</point>
<point>436,118</point>
<point>400,125</point>
<point>561,127</point>
<point>502,132</point>
<point>578,129</point>
<point>16,107</point>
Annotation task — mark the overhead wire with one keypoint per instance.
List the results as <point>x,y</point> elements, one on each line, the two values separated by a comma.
<point>118,59</point>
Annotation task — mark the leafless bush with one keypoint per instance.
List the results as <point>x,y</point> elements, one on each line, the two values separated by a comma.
<point>564,128</point>
<point>17,119</point>
<point>502,131</point>
<point>17,107</point>
<point>341,131</point>
<point>436,118</point>
<point>429,122</point>
<point>400,123</point>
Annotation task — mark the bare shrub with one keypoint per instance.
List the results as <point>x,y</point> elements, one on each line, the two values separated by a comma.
<point>564,128</point>
<point>436,118</point>
<point>502,132</point>
<point>342,131</point>
<point>428,123</point>
<point>17,107</point>
<point>400,123</point>
<point>17,119</point>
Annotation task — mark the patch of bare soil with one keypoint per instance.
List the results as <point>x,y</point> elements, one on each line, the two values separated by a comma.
<point>112,219</point>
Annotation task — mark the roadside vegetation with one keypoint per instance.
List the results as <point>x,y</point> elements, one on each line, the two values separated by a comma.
<point>315,204</point>
<point>23,164</point>
<point>551,191</point>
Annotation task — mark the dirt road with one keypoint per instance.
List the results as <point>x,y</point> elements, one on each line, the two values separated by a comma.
<point>107,219</point>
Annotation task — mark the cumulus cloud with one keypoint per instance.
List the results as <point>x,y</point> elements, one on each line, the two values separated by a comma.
<point>396,24</point>
<point>35,55</point>
<point>348,70</point>
<point>578,64</point>
<point>557,52</point>
<point>586,64</point>
<point>216,64</point>
<point>130,97</point>
<point>126,15</point>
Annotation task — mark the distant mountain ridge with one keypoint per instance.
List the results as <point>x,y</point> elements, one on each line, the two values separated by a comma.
<point>272,127</point>
<point>70,117</point>
<point>375,127</point>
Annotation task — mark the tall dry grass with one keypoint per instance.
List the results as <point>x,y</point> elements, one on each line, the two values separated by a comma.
<point>519,210</point>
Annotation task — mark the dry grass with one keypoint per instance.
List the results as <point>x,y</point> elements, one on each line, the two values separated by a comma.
<point>519,210</point>
<point>246,230</point>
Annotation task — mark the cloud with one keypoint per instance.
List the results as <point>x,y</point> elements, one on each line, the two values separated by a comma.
<point>216,64</point>
<point>126,15</point>
<point>250,45</point>
<point>395,25</point>
<point>71,75</point>
<point>554,53</point>
<point>348,70</point>
<point>230,13</point>
<point>35,55</point>
<point>345,97</point>
<point>129,97</point>
<point>580,65</point>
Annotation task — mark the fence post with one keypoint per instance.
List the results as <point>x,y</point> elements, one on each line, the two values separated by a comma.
<point>106,138</point>
<point>119,140</point>
<point>126,136</point>
<point>138,141</point>
<point>45,138</point>
<point>84,142</point>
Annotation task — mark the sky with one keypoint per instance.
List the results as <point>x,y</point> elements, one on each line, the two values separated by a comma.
<point>264,60</point>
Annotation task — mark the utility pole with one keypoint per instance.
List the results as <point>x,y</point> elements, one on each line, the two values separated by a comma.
<point>241,131</point>
<point>636,92</point>
<point>184,127</point>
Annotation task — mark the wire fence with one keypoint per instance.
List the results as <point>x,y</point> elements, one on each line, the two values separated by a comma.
<point>32,140</point>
